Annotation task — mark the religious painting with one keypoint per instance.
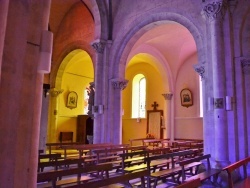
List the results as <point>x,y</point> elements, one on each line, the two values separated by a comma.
<point>72,100</point>
<point>218,103</point>
<point>186,98</point>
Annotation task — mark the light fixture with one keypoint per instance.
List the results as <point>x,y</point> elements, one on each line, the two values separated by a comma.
<point>97,109</point>
<point>45,52</point>
<point>46,88</point>
<point>210,103</point>
<point>228,103</point>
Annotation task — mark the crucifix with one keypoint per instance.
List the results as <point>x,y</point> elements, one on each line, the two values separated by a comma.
<point>155,105</point>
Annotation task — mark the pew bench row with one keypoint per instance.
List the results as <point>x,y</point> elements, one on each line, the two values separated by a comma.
<point>159,165</point>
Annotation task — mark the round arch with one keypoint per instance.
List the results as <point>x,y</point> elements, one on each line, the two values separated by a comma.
<point>139,28</point>
<point>162,65</point>
<point>58,64</point>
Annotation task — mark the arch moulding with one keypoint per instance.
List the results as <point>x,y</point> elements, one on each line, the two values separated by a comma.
<point>138,28</point>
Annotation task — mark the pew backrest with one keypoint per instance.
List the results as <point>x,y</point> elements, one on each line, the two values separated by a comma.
<point>53,176</point>
<point>235,166</point>
<point>194,160</point>
<point>171,156</point>
<point>116,179</point>
<point>58,163</point>
<point>190,184</point>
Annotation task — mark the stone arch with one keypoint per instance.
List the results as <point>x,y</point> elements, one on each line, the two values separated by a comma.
<point>100,17</point>
<point>140,27</point>
<point>100,31</point>
<point>163,67</point>
<point>245,41</point>
<point>59,67</point>
<point>242,35</point>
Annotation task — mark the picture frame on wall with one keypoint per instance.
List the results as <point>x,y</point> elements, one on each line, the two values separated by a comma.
<point>186,97</point>
<point>72,100</point>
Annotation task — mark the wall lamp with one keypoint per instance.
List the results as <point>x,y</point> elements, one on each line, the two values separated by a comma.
<point>98,109</point>
<point>229,101</point>
<point>46,88</point>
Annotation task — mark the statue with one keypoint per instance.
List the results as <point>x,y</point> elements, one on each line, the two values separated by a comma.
<point>91,94</point>
<point>89,122</point>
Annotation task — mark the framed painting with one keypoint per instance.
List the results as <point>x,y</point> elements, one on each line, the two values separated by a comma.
<point>72,100</point>
<point>186,98</point>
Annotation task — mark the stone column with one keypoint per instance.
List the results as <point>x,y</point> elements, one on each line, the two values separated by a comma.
<point>244,130</point>
<point>99,47</point>
<point>3,20</point>
<point>215,12</point>
<point>116,129</point>
<point>168,116</point>
<point>21,93</point>
<point>53,111</point>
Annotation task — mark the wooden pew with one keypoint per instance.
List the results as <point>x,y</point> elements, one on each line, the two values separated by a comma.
<point>55,164</point>
<point>134,161</point>
<point>124,178</point>
<point>83,149</point>
<point>53,176</point>
<point>58,146</point>
<point>170,172</point>
<point>203,175</point>
<point>135,141</point>
<point>47,158</point>
<point>112,154</point>
<point>194,183</point>
<point>245,181</point>
<point>88,148</point>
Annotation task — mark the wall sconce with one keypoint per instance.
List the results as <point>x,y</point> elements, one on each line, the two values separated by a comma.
<point>46,88</point>
<point>100,109</point>
<point>228,103</point>
<point>210,103</point>
<point>44,64</point>
<point>97,109</point>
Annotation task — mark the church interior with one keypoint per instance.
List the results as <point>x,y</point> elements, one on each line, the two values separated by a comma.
<point>124,72</point>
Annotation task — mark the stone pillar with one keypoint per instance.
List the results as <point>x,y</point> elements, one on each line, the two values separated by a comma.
<point>116,129</point>
<point>21,92</point>
<point>3,20</point>
<point>99,47</point>
<point>53,111</point>
<point>44,123</point>
<point>244,131</point>
<point>215,12</point>
<point>168,116</point>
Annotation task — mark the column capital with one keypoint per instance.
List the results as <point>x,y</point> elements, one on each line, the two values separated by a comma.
<point>55,92</point>
<point>245,64</point>
<point>119,83</point>
<point>215,10</point>
<point>200,69</point>
<point>99,46</point>
<point>167,96</point>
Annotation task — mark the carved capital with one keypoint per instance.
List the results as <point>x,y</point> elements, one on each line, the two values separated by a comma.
<point>55,92</point>
<point>215,10</point>
<point>200,69</point>
<point>119,84</point>
<point>232,4</point>
<point>99,46</point>
<point>245,64</point>
<point>167,96</point>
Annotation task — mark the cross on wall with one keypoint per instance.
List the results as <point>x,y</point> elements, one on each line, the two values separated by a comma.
<point>155,105</point>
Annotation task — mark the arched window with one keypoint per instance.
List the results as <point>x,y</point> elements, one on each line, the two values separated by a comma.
<point>139,96</point>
